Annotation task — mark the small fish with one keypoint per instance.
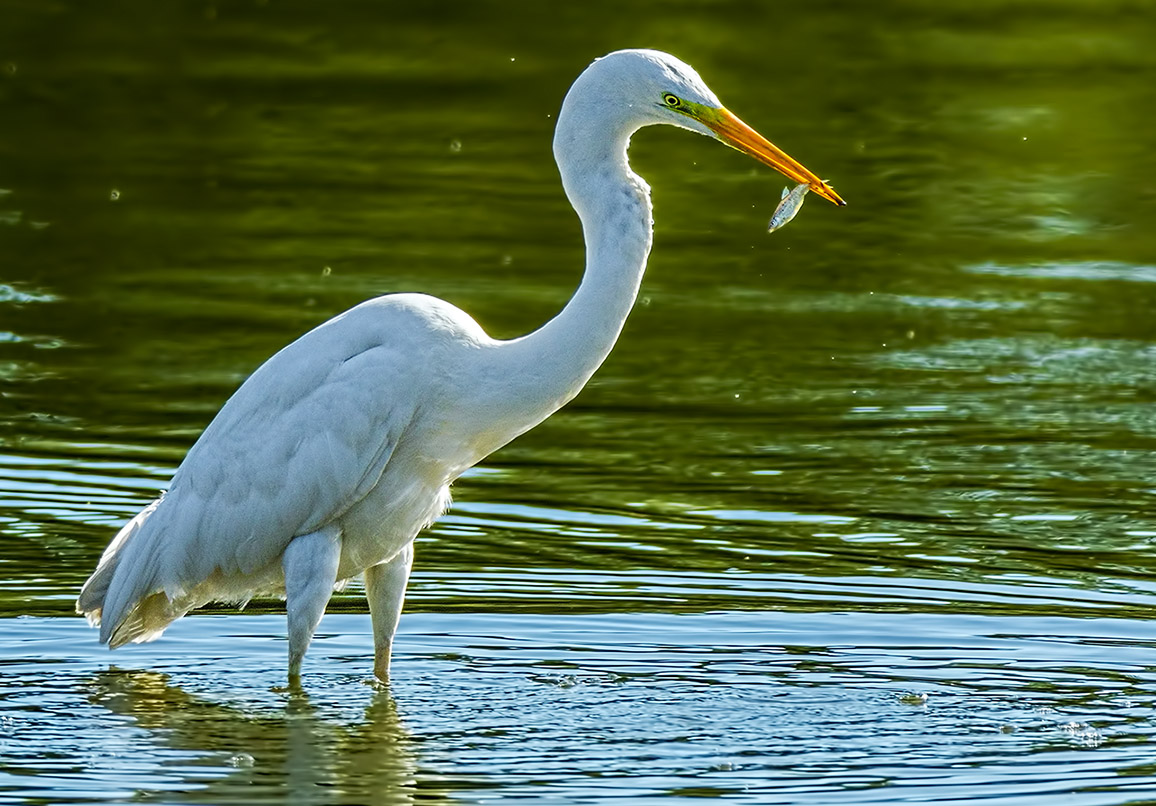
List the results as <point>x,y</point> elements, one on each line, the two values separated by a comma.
<point>792,200</point>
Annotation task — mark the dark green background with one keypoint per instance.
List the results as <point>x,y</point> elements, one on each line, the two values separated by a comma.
<point>858,512</point>
<point>958,365</point>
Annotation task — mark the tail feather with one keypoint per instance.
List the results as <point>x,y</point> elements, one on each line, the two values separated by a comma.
<point>148,618</point>
<point>122,596</point>
<point>155,570</point>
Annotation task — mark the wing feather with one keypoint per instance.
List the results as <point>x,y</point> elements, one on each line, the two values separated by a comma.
<point>306,437</point>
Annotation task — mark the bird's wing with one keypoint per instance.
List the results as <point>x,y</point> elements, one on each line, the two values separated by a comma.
<point>304,438</point>
<point>301,441</point>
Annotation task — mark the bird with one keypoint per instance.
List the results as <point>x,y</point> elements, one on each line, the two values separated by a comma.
<point>336,452</point>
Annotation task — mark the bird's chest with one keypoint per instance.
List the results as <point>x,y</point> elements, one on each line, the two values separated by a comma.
<point>411,494</point>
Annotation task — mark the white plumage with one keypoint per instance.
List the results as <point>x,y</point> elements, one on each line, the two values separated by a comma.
<point>337,451</point>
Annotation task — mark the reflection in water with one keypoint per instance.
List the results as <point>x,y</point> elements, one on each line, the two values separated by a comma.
<point>909,447</point>
<point>293,756</point>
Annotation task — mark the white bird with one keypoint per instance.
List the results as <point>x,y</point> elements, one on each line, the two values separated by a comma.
<point>341,448</point>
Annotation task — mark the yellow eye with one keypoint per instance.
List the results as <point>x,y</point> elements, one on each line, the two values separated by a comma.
<point>672,100</point>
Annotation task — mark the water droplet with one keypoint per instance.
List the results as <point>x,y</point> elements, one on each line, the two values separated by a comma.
<point>242,760</point>
<point>114,195</point>
<point>326,271</point>
<point>455,146</point>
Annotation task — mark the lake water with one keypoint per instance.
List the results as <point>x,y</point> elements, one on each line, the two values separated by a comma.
<point>860,512</point>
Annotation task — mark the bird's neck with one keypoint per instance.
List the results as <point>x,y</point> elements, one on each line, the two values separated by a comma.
<point>540,372</point>
<point>572,345</point>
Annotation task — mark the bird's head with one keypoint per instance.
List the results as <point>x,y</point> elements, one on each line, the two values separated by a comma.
<point>652,87</point>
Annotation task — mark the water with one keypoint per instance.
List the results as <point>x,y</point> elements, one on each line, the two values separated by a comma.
<point>858,512</point>
<point>587,709</point>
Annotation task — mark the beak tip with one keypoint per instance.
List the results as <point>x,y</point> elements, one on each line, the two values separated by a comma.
<point>830,195</point>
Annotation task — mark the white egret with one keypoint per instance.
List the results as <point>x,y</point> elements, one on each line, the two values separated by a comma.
<point>337,451</point>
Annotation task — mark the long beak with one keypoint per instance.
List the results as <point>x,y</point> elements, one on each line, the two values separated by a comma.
<point>739,135</point>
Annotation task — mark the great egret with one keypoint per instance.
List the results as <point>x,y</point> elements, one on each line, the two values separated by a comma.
<point>337,451</point>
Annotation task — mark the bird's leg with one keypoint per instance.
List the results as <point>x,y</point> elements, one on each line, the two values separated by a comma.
<point>310,563</point>
<point>385,589</point>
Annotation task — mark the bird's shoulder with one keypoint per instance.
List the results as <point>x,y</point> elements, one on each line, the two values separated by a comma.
<point>403,320</point>
<point>312,429</point>
<point>380,343</point>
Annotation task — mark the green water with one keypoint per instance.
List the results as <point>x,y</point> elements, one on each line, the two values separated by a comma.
<point>898,449</point>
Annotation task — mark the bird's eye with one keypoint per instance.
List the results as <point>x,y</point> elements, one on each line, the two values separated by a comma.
<point>672,100</point>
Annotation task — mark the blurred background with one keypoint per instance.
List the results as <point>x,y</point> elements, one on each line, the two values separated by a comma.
<point>935,402</point>
<point>960,359</point>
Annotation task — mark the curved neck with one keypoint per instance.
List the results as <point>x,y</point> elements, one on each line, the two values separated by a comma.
<point>533,376</point>
<point>558,359</point>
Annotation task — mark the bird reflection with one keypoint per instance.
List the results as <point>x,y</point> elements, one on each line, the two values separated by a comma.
<point>291,756</point>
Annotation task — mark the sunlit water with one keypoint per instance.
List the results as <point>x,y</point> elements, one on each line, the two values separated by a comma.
<point>585,709</point>
<point>858,512</point>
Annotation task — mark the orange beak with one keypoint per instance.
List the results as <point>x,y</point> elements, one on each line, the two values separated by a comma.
<point>739,135</point>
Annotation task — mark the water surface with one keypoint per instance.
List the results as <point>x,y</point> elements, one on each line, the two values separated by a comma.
<point>899,449</point>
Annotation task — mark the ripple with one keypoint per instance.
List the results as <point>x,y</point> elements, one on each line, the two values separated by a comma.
<point>39,342</point>
<point>761,707</point>
<point>760,516</point>
<point>83,491</point>
<point>1036,360</point>
<point>20,296</point>
<point>1102,270</point>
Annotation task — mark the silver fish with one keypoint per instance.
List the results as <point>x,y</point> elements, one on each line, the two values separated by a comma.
<point>792,200</point>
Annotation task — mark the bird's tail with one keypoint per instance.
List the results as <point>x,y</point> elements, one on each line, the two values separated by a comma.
<point>122,596</point>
